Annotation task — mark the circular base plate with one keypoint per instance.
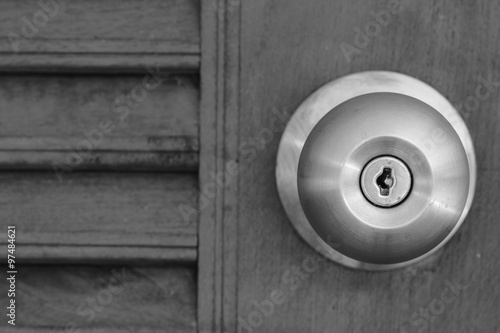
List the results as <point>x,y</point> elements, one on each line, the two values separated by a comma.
<point>324,100</point>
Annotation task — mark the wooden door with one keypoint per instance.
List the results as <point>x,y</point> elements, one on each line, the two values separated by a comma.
<point>273,54</point>
<point>138,144</point>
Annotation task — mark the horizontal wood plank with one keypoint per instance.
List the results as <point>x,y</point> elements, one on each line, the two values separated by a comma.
<point>99,35</point>
<point>137,255</point>
<point>96,63</point>
<point>58,119</point>
<point>101,216</point>
<point>127,299</point>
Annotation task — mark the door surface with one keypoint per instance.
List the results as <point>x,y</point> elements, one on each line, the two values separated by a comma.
<point>138,144</point>
<point>276,53</point>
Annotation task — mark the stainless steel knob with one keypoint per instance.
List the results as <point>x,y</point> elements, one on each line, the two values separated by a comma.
<point>376,170</point>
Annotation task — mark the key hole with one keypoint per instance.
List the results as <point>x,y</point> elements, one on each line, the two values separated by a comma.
<point>385,182</point>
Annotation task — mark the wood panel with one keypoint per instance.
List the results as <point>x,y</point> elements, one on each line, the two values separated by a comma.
<point>101,216</point>
<point>91,299</point>
<point>99,36</point>
<point>452,45</point>
<point>82,122</point>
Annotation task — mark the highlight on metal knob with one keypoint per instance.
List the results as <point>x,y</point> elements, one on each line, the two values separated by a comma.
<point>376,170</point>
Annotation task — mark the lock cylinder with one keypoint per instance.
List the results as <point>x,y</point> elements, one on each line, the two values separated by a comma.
<point>386,181</point>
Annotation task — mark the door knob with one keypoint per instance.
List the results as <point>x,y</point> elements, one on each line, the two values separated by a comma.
<point>376,170</point>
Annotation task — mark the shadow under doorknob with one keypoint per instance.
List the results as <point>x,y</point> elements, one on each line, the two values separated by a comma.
<point>376,170</point>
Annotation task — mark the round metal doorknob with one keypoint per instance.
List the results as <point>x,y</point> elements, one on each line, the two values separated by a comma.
<point>376,170</point>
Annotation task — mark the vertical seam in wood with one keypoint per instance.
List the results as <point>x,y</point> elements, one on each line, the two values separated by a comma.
<point>218,129</point>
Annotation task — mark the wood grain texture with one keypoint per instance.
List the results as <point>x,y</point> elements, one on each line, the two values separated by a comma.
<point>133,255</point>
<point>111,35</point>
<point>127,299</point>
<point>96,63</point>
<point>218,146</point>
<point>101,216</point>
<point>448,44</point>
<point>47,119</point>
